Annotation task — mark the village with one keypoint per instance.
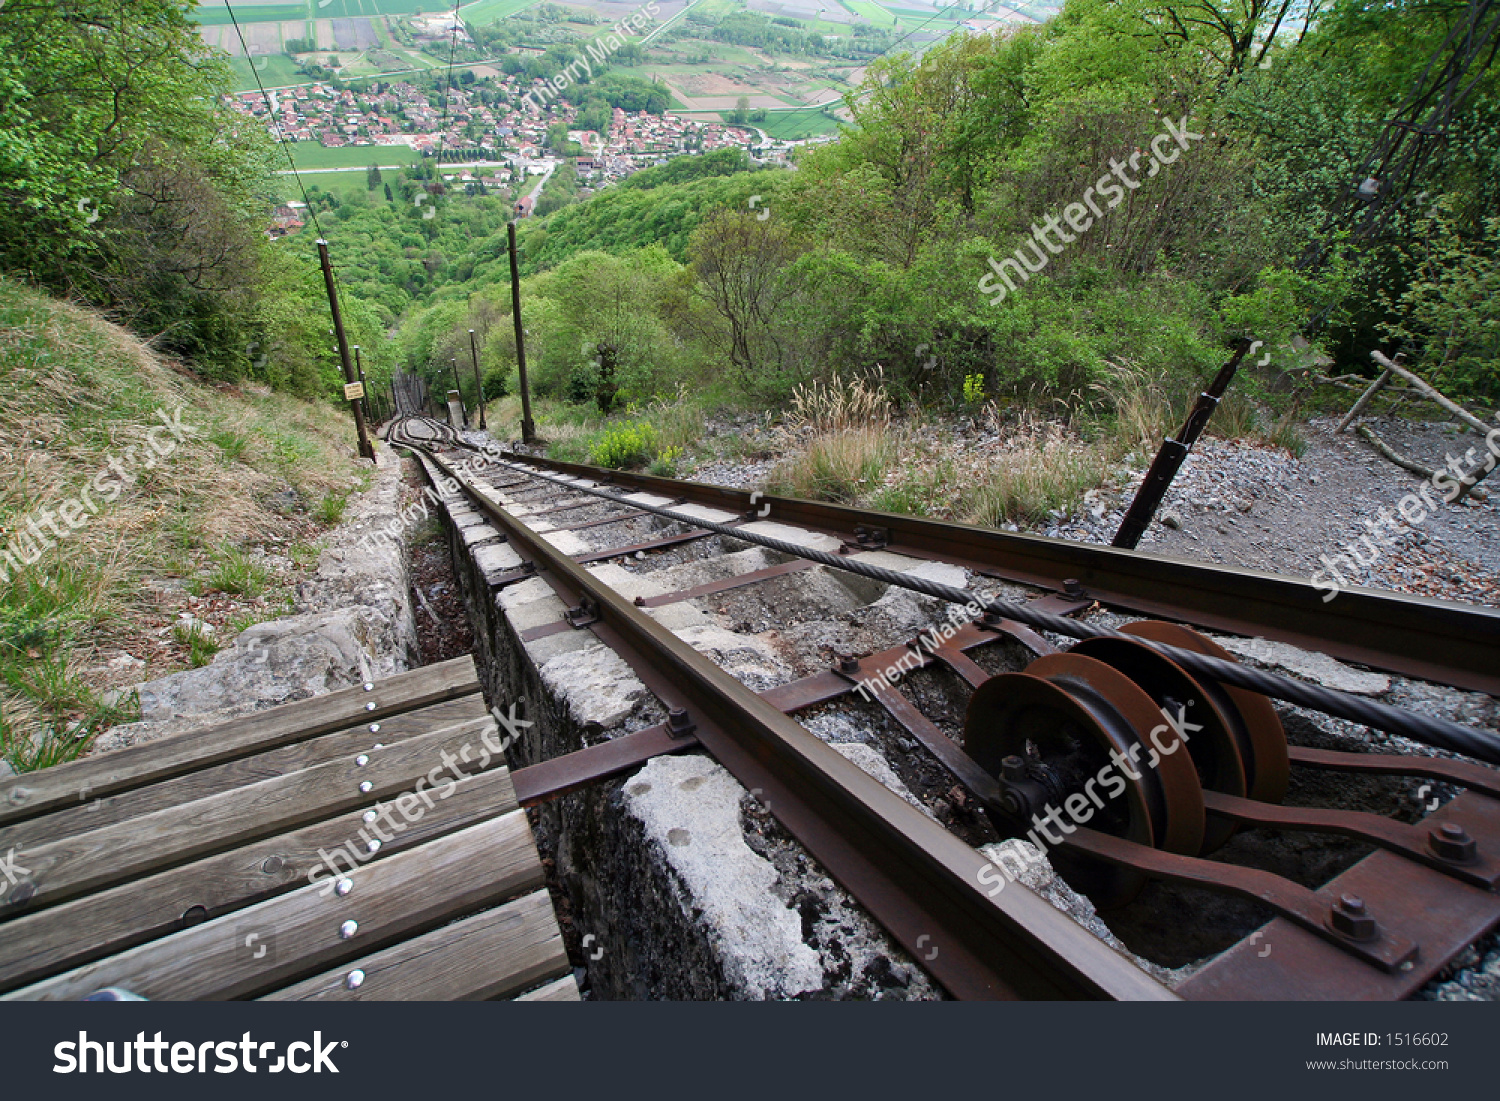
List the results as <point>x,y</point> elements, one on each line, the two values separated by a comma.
<point>480,127</point>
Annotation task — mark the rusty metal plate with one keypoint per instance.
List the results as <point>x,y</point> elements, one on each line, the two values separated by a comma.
<point>1444,916</point>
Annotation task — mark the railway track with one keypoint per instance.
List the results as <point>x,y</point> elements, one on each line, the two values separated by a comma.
<point>1068,721</point>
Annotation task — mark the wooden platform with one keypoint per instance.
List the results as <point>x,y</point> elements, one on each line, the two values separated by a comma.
<point>237,861</point>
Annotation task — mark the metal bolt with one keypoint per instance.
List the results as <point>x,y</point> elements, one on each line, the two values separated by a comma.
<point>1453,843</point>
<point>369,687</point>
<point>366,787</point>
<point>990,619</point>
<point>378,745</point>
<point>640,602</point>
<point>679,722</point>
<point>373,846</point>
<point>370,706</point>
<point>272,864</point>
<point>343,887</point>
<point>1013,769</point>
<point>348,929</point>
<point>1350,918</point>
<point>362,760</point>
<point>1072,586</point>
<point>354,980</point>
<point>370,816</point>
<point>848,663</point>
<point>374,728</point>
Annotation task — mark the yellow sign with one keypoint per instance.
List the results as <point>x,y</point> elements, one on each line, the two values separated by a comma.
<point>353,391</point>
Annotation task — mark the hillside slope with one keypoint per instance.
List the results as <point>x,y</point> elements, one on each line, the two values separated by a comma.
<point>143,516</point>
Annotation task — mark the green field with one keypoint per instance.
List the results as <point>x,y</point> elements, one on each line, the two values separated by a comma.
<point>311,156</point>
<point>213,13</point>
<point>870,10</point>
<point>794,125</point>
<point>274,71</point>
<point>484,12</point>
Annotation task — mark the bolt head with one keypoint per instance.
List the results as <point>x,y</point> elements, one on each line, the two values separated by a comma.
<point>343,887</point>
<point>348,929</point>
<point>373,846</point>
<point>1453,843</point>
<point>1013,768</point>
<point>369,687</point>
<point>370,816</point>
<point>354,980</point>
<point>366,787</point>
<point>374,728</point>
<point>272,864</point>
<point>370,706</point>
<point>1350,918</point>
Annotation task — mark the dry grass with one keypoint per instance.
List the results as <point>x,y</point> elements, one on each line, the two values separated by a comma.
<point>1043,470</point>
<point>840,405</point>
<point>837,466</point>
<point>76,393</point>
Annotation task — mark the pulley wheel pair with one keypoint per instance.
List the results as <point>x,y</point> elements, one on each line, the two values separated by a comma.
<point>1102,730</point>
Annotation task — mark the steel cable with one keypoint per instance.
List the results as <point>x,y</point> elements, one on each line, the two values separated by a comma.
<point>1428,729</point>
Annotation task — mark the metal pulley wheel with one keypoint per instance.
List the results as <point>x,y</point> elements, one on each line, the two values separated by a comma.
<point>1076,742</point>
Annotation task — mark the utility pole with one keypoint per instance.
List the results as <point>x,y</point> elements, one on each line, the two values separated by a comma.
<point>528,427</point>
<point>478,381</point>
<point>353,391</point>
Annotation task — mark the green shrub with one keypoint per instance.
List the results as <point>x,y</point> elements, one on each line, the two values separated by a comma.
<point>625,446</point>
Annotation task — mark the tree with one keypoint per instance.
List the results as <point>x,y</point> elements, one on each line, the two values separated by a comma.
<point>372,178</point>
<point>388,196</point>
<point>742,266</point>
<point>123,179</point>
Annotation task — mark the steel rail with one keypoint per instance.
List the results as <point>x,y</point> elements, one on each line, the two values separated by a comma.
<point>1433,640</point>
<point>915,878</point>
<point>1481,744</point>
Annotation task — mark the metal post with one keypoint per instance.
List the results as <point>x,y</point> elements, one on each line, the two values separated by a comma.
<point>478,381</point>
<point>365,449</point>
<point>528,428</point>
<point>458,388</point>
<point>359,370</point>
<point>1169,459</point>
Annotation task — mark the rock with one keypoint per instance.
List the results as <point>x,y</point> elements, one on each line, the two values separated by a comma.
<point>1318,668</point>
<point>1171,519</point>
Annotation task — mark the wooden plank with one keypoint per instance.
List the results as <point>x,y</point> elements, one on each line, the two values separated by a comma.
<point>563,990</point>
<point>89,928</point>
<point>490,955</point>
<point>35,792</point>
<point>90,861</point>
<point>302,932</point>
<point>232,774</point>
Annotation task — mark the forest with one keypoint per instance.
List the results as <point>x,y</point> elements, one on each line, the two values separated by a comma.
<point>1342,198</point>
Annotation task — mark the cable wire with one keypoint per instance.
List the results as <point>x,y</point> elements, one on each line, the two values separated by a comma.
<point>1482,745</point>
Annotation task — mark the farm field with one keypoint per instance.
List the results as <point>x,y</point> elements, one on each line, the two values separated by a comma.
<point>313,156</point>
<point>491,11</point>
<point>870,10</point>
<point>804,122</point>
<point>274,70</point>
